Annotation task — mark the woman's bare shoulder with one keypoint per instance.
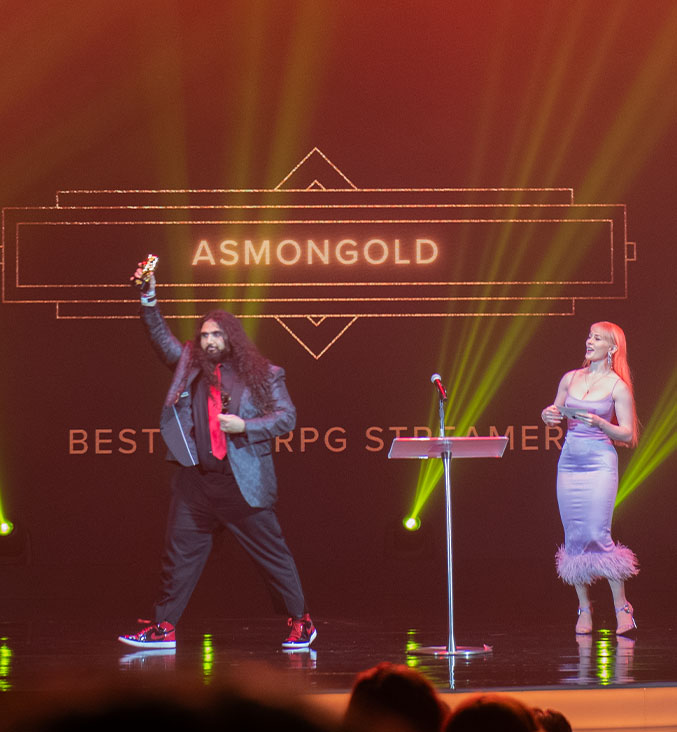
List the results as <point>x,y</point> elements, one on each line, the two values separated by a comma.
<point>620,389</point>
<point>569,377</point>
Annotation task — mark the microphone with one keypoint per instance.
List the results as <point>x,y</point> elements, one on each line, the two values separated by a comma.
<point>437,380</point>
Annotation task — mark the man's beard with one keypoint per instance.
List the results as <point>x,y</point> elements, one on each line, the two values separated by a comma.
<point>216,356</point>
<point>207,361</point>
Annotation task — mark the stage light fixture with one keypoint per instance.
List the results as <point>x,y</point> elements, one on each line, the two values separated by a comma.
<point>6,527</point>
<point>412,523</point>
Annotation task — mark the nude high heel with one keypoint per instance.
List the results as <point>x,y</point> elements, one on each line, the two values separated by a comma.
<point>625,621</point>
<point>584,622</point>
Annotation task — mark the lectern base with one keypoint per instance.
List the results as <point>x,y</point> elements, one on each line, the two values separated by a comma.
<point>443,651</point>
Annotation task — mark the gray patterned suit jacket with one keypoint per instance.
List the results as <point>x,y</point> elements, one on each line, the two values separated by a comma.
<point>249,454</point>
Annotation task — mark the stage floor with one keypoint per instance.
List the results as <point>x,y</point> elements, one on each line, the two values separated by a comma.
<point>545,663</point>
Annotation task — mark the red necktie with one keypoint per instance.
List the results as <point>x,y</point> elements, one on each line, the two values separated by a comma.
<point>218,436</point>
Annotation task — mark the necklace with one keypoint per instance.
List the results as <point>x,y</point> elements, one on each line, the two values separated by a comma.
<point>593,383</point>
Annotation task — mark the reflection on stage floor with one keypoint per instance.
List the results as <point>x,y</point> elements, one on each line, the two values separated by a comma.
<point>33,652</point>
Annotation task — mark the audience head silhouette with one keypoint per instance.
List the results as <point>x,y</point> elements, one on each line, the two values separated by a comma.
<point>552,720</point>
<point>491,713</point>
<point>390,696</point>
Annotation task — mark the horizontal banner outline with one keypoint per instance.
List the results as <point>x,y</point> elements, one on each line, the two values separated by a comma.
<point>497,298</point>
<point>61,316</point>
<point>305,316</point>
<point>610,222</point>
<point>328,300</point>
<point>478,283</point>
<point>304,191</point>
<point>293,301</point>
<point>311,191</point>
<point>326,206</point>
<point>615,211</point>
<point>290,222</point>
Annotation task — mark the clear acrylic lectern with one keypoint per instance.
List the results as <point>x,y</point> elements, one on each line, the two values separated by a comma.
<point>447,448</point>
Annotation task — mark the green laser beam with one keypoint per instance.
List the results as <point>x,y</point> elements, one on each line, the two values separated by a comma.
<point>656,444</point>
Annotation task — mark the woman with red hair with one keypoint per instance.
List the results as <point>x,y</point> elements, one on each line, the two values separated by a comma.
<point>599,404</point>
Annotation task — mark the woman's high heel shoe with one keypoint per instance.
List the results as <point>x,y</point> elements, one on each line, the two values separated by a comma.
<point>584,622</point>
<point>625,621</point>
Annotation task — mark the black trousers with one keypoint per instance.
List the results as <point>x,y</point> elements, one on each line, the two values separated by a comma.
<point>202,505</point>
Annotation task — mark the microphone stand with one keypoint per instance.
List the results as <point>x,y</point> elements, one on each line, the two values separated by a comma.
<point>446,463</point>
<point>451,649</point>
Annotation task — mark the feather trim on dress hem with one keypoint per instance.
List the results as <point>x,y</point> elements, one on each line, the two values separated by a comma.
<point>583,569</point>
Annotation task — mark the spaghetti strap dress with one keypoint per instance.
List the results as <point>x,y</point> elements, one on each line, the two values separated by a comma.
<point>587,483</point>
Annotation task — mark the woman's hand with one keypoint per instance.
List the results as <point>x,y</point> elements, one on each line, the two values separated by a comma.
<point>138,275</point>
<point>551,415</point>
<point>591,419</point>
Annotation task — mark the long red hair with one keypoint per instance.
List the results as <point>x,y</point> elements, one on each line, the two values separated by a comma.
<point>614,335</point>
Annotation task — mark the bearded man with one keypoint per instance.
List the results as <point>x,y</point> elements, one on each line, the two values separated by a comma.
<point>225,405</point>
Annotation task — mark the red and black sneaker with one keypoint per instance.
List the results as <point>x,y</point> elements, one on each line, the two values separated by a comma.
<point>154,635</point>
<point>302,633</point>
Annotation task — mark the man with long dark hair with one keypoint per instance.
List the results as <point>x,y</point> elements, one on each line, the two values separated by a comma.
<point>225,405</point>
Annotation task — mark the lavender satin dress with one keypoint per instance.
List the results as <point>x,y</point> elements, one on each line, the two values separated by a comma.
<point>587,483</point>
